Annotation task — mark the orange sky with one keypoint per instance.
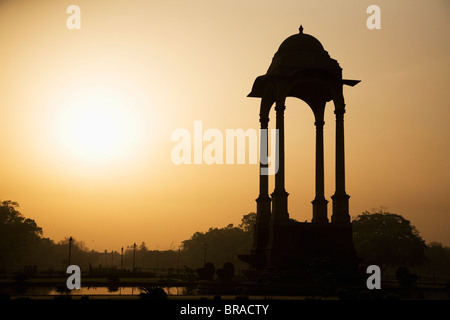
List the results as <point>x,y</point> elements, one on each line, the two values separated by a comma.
<point>161,65</point>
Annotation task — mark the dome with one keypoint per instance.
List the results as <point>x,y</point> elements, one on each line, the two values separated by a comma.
<point>300,58</point>
<point>299,52</point>
<point>300,42</point>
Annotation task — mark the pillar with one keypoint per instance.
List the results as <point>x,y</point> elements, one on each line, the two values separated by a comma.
<point>340,197</point>
<point>261,232</point>
<point>279,195</point>
<point>319,203</point>
<point>263,200</point>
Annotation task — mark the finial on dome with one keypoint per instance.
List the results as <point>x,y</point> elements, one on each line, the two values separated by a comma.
<point>301,29</point>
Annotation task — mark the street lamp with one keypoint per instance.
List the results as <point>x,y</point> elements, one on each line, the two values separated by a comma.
<point>70,249</point>
<point>178,262</point>
<point>134,256</point>
<point>121,259</point>
<point>204,257</point>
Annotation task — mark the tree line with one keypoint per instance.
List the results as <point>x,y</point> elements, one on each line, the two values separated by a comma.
<point>22,246</point>
<point>380,237</point>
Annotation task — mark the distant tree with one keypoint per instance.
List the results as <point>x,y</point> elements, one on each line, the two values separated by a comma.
<point>19,236</point>
<point>248,222</point>
<point>222,245</point>
<point>80,254</point>
<point>143,248</point>
<point>388,239</point>
<point>437,253</point>
<point>438,263</point>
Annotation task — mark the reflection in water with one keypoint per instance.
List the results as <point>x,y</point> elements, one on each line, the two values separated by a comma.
<point>173,291</point>
<point>19,289</point>
<point>102,291</point>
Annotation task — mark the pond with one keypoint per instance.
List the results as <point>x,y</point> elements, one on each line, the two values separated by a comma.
<point>92,291</point>
<point>172,291</point>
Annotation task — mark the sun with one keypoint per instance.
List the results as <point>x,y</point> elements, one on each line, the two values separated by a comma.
<point>98,123</point>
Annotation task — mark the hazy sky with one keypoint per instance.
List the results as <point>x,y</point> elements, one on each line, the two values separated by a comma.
<point>138,70</point>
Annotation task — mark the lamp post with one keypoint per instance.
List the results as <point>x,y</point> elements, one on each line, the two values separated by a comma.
<point>178,262</point>
<point>70,249</point>
<point>157,261</point>
<point>121,259</point>
<point>134,256</point>
<point>106,258</point>
<point>112,258</point>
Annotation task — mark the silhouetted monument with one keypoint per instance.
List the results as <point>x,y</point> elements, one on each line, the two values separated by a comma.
<point>301,68</point>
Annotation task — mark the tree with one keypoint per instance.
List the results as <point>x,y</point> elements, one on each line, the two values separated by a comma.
<point>248,222</point>
<point>220,245</point>
<point>143,248</point>
<point>18,235</point>
<point>388,239</point>
<point>438,263</point>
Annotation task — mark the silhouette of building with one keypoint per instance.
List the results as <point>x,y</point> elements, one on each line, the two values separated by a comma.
<point>301,68</point>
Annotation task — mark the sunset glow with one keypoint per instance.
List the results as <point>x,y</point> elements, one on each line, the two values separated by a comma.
<point>87,114</point>
<point>97,124</point>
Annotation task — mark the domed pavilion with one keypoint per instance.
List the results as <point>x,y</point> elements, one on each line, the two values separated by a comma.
<point>301,68</point>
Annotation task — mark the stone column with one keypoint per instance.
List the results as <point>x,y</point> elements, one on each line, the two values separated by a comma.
<point>279,195</point>
<point>261,232</point>
<point>319,203</point>
<point>263,201</point>
<point>340,197</point>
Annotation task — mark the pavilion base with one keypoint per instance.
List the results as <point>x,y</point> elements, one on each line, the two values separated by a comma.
<point>306,253</point>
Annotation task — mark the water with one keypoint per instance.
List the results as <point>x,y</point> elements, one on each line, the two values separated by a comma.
<point>93,291</point>
<point>171,291</point>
